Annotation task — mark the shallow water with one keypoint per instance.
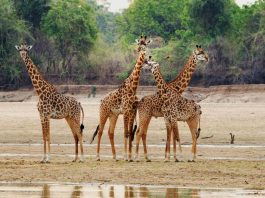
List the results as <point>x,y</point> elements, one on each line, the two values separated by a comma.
<point>49,190</point>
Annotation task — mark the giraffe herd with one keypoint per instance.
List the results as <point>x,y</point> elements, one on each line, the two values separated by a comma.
<point>167,103</point>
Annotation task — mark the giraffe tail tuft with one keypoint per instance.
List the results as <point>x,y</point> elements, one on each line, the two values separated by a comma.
<point>94,135</point>
<point>82,128</point>
<point>83,115</point>
<point>133,131</point>
<point>198,133</point>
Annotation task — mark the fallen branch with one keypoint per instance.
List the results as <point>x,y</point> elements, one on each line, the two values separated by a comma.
<point>207,137</point>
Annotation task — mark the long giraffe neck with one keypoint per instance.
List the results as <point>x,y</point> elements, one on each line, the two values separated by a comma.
<point>181,82</point>
<point>37,80</point>
<point>160,82</point>
<point>132,81</point>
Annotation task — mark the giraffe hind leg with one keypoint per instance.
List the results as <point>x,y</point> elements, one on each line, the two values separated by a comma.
<point>103,118</point>
<point>75,128</point>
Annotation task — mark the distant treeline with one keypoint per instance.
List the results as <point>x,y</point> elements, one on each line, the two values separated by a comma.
<point>79,42</point>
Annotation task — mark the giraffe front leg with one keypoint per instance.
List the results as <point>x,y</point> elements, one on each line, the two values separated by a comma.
<point>126,135</point>
<point>130,126</point>
<point>113,121</point>
<point>45,133</point>
<point>176,137</point>
<point>167,152</point>
<point>138,137</point>
<point>193,129</point>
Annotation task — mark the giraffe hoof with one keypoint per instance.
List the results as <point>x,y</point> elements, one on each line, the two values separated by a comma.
<point>81,161</point>
<point>130,160</point>
<point>148,160</point>
<point>166,160</point>
<point>191,160</point>
<point>74,160</point>
<point>98,159</point>
<point>42,161</point>
<point>47,162</point>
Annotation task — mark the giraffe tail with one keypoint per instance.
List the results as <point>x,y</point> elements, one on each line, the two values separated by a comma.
<point>94,135</point>
<point>83,115</point>
<point>135,127</point>
<point>199,129</point>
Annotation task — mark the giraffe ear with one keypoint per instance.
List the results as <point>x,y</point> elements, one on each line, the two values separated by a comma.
<point>149,41</point>
<point>29,47</point>
<point>200,46</point>
<point>17,47</point>
<point>197,46</point>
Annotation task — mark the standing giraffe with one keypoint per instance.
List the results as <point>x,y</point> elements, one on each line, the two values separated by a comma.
<point>122,101</point>
<point>53,105</point>
<point>150,105</point>
<point>175,108</point>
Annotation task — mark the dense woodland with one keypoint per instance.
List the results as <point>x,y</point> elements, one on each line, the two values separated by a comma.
<point>78,42</point>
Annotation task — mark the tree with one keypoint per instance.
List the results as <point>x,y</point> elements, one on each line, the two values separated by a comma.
<point>154,18</point>
<point>32,11</point>
<point>71,23</point>
<point>211,17</point>
<point>12,30</point>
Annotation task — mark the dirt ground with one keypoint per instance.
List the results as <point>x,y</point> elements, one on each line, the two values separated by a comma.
<point>219,164</point>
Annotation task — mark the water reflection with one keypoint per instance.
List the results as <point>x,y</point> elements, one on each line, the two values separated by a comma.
<point>117,191</point>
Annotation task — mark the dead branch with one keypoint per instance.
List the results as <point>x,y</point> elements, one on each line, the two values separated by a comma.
<point>207,137</point>
<point>232,138</point>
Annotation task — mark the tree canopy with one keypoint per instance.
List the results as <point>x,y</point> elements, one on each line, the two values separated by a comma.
<point>77,41</point>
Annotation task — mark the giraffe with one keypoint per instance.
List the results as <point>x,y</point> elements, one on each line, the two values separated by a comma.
<point>175,108</point>
<point>53,105</point>
<point>122,101</point>
<point>150,105</point>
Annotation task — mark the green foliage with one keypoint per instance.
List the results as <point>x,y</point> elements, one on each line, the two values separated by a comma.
<point>212,17</point>
<point>71,23</point>
<point>106,23</point>
<point>11,28</point>
<point>154,17</point>
<point>32,11</point>
<point>77,41</point>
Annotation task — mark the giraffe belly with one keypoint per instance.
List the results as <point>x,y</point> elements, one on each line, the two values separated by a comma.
<point>57,115</point>
<point>156,113</point>
<point>116,111</point>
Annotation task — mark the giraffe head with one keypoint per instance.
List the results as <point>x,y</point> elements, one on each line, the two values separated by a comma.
<point>23,49</point>
<point>142,43</point>
<point>199,54</point>
<point>150,64</point>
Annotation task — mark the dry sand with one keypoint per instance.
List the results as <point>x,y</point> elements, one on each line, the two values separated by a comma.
<point>225,110</point>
